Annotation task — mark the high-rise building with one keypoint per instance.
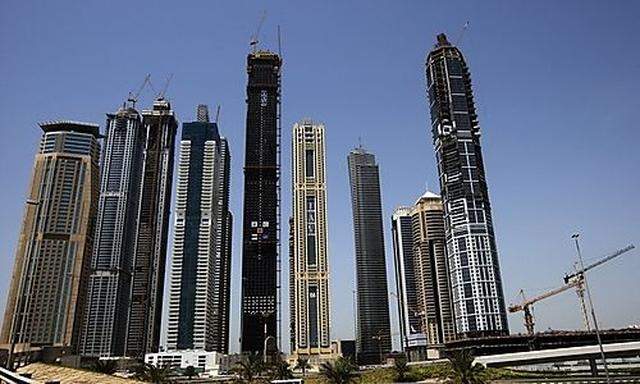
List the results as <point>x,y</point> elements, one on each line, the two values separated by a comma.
<point>159,127</point>
<point>433,294</point>
<point>310,306</point>
<point>414,341</point>
<point>476,285</point>
<point>47,293</point>
<point>260,302</point>
<point>105,324</point>
<point>292,299</point>
<point>201,260</point>
<point>373,338</point>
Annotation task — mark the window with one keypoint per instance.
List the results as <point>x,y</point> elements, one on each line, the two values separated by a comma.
<point>309,163</point>
<point>264,98</point>
<point>313,316</point>
<point>311,231</point>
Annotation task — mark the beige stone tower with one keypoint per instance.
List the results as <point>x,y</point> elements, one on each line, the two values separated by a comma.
<point>310,270</point>
<point>48,288</point>
<point>431,270</point>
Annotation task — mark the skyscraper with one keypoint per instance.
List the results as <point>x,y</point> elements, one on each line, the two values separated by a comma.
<point>433,294</point>
<point>46,299</point>
<point>310,305</point>
<point>476,285</point>
<point>105,324</point>
<point>261,216</point>
<point>373,338</point>
<point>200,264</point>
<point>414,341</point>
<point>147,285</point>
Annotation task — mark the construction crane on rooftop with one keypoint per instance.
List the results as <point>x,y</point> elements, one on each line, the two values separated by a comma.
<point>163,91</point>
<point>573,280</point>
<point>254,39</point>
<point>133,97</point>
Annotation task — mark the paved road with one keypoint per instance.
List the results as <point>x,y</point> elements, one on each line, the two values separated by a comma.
<point>574,380</point>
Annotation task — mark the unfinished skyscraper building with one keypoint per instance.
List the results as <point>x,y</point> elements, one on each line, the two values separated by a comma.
<point>46,299</point>
<point>159,127</point>
<point>476,285</point>
<point>310,262</point>
<point>261,216</point>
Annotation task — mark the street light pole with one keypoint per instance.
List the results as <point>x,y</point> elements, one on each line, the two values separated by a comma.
<point>593,312</point>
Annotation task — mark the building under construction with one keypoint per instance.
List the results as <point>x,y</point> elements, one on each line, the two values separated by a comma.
<point>159,127</point>
<point>476,284</point>
<point>261,216</point>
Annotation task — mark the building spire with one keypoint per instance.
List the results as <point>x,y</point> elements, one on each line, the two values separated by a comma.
<point>203,113</point>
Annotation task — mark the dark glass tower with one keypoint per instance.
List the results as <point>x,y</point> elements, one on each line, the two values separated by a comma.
<point>261,222</point>
<point>105,324</point>
<point>201,259</point>
<point>476,285</point>
<point>159,127</point>
<point>373,339</point>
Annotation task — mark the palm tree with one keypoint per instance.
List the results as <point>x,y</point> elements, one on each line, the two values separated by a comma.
<point>303,364</point>
<point>340,372</point>
<point>151,373</point>
<point>464,370</point>
<point>280,370</point>
<point>108,367</point>
<point>401,368</point>
<point>249,368</point>
<point>190,371</point>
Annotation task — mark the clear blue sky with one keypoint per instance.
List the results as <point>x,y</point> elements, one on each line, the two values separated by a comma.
<point>556,85</point>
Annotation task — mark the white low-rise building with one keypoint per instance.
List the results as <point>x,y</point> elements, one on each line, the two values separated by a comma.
<point>206,363</point>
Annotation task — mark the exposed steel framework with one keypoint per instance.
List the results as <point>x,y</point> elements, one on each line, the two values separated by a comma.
<point>260,306</point>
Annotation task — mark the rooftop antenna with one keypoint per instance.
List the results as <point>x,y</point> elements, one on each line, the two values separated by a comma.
<point>360,142</point>
<point>461,35</point>
<point>279,43</point>
<point>163,91</point>
<point>254,39</point>
<point>217,114</point>
<point>133,97</point>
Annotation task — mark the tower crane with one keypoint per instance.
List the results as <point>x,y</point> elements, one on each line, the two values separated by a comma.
<point>163,91</point>
<point>578,278</point>
<point>133,97</point>
<point>526,305</point>
<point>572,280</point>
<point>254,39</point>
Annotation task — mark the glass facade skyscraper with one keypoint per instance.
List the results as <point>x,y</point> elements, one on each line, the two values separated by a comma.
<point>201,261</point>
<point>105,325</point>
<point>478,300</point>
<point>373,332</point>
<point>414,341</point>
